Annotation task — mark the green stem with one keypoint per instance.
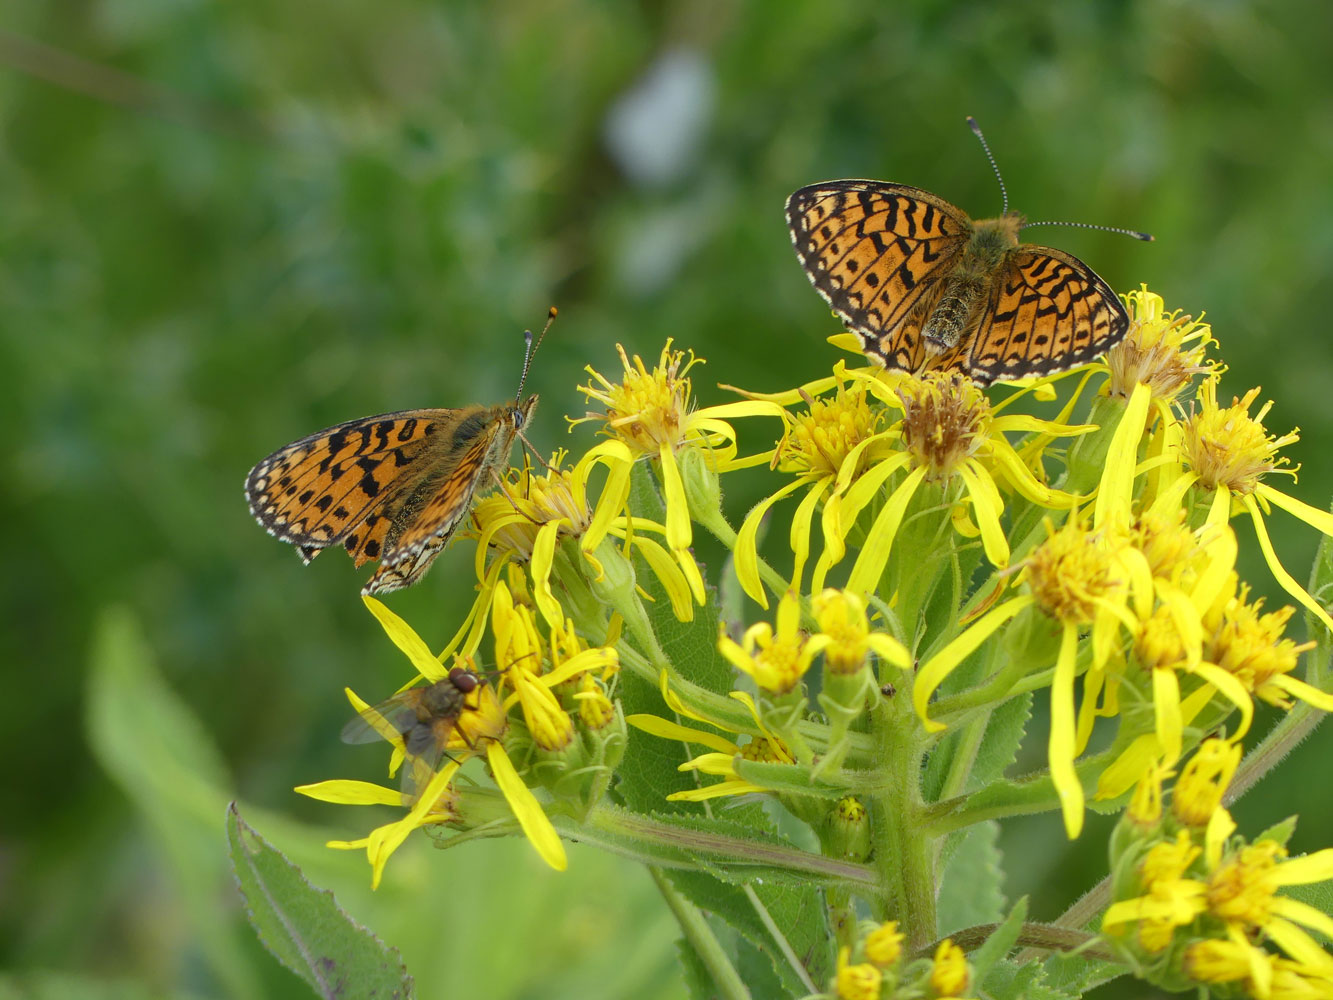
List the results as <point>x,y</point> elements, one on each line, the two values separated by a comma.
<point>717,525</point>
<point>694,926</point>
<point>902,848</point>
<point>678,845</point>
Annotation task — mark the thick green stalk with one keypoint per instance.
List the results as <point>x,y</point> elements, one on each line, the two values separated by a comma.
<point>902,853</point>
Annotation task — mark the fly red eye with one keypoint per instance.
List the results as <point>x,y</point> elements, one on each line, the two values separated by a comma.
<point>464,680</point>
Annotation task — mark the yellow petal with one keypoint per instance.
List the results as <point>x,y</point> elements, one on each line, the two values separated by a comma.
<point>932,673</point>
<point>527,810</point>
<point>543,556</point>
<point>1060,750</point>
<point>1284,579</point>
<point>678,533</point>
<point>874,556</point>
<point>747,548</point>
<point>407,640</point>
<point>1116,489</point>
<point>352,793</point>
<point>667,730</point>
<point>988,505</point>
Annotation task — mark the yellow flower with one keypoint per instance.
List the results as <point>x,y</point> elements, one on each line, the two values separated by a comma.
<point>762,745</point>
<point>528,517</point>
<point>834,441</point>
<point>949,976</point>
<point>1162,350</point>
<point>845,637</point>
<point>1230,452</point>
<point>1203,781</point>
<point>483,729</point>
<point>1249,645</point>
<point>884,945</point>
<point>650,414</point>
<point>857,982</point>
<point>777,660</point>
<point>949,436</point>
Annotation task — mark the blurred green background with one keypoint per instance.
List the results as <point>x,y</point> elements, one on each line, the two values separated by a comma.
<point>223,226</point>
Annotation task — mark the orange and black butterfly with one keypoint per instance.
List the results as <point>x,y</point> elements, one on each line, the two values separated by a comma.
<point>425,717</point>
<point>922,285</point>
<point>392,487</point>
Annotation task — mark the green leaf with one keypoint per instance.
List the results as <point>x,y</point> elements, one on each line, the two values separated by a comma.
<point>1321,589</point>
<point>996,751</point>
<point>1007,981</point>
<point>694,972</point>
<point>1316,894</point>
<point>305,929</point>
<point>799,911</point>
<point>970,891</point>
<point>73,986</point>
<point>650,770</point>
<point>1001,941</point>
<point>1281,832</point>
<point>174,777</point>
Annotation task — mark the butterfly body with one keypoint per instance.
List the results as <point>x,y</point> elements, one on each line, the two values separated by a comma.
<point>392,487</point>
<point>922,285</point>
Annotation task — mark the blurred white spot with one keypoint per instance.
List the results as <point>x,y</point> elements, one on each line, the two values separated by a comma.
<point>653,131</point>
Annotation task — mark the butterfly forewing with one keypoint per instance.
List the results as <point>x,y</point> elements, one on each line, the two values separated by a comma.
<point>1048,312</point>
<point>874,250</point>
<point>392,487</point>
<point>315,491</point>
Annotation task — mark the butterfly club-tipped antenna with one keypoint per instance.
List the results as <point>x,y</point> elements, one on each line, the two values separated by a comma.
<point>530,350</point>
<point>976,130</point>
<point>1004,194</point>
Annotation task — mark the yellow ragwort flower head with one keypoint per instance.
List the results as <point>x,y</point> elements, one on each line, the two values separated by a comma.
<point>946,419</point>
<point>819,441</point>
<point>510,519</point>
<point>1167,543</point>
<point>857,982</point>
<point>648,410</point>
<point>1249,644</point>
<point>1242,889</point>
<point>1203,781</point>
<point>1227,448</point>
<point>595,709</point>
<point>1069,573</point>
<point>949,976</point>
<point>884,945</point>
<point>1145,805</point>
<point>1162,350</point>
<point>845,637</point>
<point>776,659</point>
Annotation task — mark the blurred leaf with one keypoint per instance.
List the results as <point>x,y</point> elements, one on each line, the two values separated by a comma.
<point>304,927</point>
<point>971,885</point>
<point>71,986</point>
<point>151,744</point>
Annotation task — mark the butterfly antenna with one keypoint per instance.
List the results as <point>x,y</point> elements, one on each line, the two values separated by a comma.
<point>976,130</point>
<point>1146,237</point>
<point>530,349</point>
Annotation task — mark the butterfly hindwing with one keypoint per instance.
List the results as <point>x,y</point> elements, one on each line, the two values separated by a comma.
<point>1048,312</point>
<point>875,250</point>
<point>428,518</point>
<point>316,491</point>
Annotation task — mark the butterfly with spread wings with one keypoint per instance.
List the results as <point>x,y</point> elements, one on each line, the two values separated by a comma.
<point>922,285</point>
<point>392,487</point>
